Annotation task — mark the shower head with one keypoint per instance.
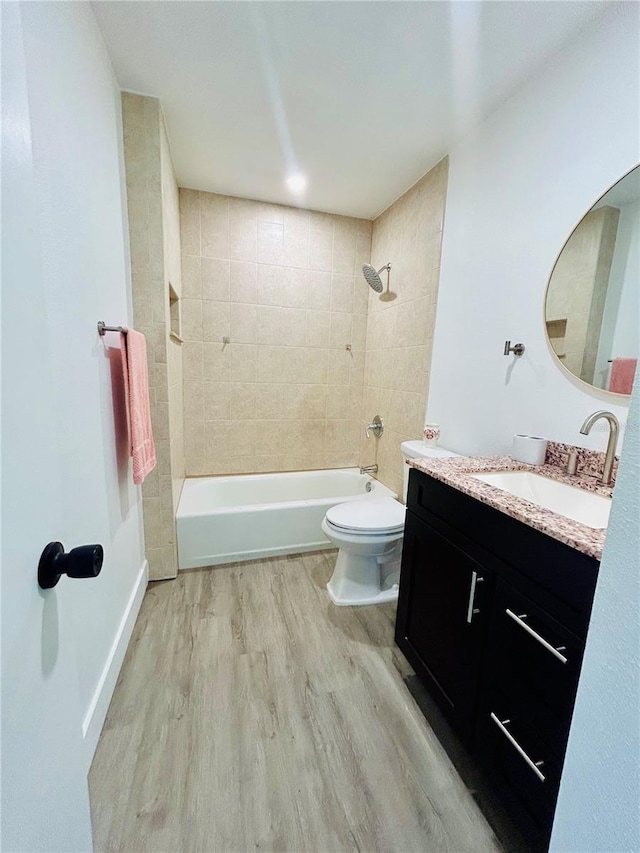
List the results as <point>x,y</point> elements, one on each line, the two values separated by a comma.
<point>372,276</point>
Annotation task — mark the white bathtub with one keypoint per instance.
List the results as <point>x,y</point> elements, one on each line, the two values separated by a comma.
<point>248,516</point>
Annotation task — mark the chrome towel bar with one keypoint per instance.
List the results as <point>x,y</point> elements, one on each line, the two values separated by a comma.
<point>102,328</point>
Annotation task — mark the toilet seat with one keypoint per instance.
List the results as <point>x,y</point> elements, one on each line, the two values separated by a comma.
<point>368,517</point>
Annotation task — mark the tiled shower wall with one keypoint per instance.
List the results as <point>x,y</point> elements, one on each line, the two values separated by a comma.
<point>400,331</point>
<point>172,280</point>
<point>155,262</point>
<point>284,285</point>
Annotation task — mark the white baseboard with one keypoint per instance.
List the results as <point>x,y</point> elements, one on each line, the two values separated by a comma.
<point>95,716</point>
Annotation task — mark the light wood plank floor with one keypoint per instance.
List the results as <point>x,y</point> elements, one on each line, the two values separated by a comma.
<point>252,714</point>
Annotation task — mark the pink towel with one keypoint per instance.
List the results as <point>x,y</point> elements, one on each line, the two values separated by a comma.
<point>622,372</point>
<point>136,381</point>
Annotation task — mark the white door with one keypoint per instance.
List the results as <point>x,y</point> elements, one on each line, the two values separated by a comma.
<point>45,803</point>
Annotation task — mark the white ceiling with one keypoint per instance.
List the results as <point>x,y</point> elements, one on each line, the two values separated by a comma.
<point>362,97</point>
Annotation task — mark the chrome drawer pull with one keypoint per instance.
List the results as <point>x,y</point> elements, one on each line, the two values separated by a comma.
<point>534,765</point>
<point>472,596</point>
<point>519,620</point>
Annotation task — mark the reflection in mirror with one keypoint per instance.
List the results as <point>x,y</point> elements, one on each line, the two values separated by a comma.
<point>592,309</point>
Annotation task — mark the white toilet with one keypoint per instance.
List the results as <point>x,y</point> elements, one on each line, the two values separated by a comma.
<point>369,533</point>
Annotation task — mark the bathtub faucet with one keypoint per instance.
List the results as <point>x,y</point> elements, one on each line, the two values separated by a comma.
<point>369,469</point>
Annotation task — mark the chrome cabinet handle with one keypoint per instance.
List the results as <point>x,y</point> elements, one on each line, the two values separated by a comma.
<point>519,620</point>
<point>534,765</point>
<point>472,596</point>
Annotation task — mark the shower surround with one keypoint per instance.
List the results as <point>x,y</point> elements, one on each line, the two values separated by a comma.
<point>284,285</point>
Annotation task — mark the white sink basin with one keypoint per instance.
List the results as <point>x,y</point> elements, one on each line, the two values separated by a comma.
<point>586,507</point>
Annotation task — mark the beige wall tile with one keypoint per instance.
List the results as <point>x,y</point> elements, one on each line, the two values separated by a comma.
<point>191,319</point>
<point>319,290</point>
<point>193,401</point>
<point>340,331</point>
<point>216,279</point>
<point>270,243</point>
<point>318,329</point>
<point>294,287</point>
<point>192,360</point>
<point>215,401</point>
<point>216,321</point>
<point>216,362</point>
<point>243,239</point>
<point>344,246</point>
<point>293,327</point>
<point>342,293</point>
<point>320,249</point>
<point>243,282</point>
<point>339,367</point>
<point>269,285</point>
<point>190,222</point>
<point>191,277</point>
<point>243,323</point>
<point>243,362</point>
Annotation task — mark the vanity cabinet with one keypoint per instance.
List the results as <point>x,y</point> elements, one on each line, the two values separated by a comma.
<point>493,616</point>
<point>444,610</point>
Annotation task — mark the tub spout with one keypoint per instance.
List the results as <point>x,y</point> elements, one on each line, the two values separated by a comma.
<point>369,469</point>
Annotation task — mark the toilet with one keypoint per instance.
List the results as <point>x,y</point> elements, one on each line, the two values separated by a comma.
<point>368,534</point>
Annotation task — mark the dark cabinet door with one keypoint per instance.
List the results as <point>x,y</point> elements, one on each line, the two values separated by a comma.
<point>443,614</point>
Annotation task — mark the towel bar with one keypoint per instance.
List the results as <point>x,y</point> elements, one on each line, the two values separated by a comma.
<point>102,328</point>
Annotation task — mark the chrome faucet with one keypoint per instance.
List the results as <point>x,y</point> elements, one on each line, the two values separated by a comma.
<point>610,454</point>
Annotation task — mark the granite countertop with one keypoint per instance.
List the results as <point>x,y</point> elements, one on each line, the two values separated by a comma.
<point>456,472</point>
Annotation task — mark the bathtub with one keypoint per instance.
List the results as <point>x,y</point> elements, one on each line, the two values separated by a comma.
<point>248,516</point>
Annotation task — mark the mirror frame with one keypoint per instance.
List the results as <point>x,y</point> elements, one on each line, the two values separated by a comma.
<point>621,399</point>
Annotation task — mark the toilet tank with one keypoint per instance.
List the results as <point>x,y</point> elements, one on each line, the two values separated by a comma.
<point>419,450</point>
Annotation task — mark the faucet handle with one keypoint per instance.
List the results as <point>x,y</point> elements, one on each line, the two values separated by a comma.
<point>376,427</point>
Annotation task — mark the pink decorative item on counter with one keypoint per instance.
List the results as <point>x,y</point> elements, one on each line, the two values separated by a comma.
<point>431,434</point>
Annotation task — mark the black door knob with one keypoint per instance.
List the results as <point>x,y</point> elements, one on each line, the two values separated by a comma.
<point>82,562</point>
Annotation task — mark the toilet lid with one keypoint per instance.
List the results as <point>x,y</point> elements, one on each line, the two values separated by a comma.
<point>381,515</point>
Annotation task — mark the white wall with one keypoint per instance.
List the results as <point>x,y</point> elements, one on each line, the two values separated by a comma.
<point>517,187</point>
<point>76,126</point>
<point>599,804</point>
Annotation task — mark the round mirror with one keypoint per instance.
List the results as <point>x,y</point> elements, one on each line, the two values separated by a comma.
<point>592,307</point>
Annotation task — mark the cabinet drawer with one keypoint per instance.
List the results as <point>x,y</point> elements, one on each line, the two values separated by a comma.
<point>524,772</point>
<point>533,664</point>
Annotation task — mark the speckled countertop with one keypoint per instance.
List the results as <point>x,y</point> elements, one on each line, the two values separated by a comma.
<point>456,472</point>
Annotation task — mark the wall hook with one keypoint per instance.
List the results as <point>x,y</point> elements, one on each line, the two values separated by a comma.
<point>516,349</point>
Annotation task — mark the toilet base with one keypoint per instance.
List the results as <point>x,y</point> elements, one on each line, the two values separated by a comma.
<point>356,581</point>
